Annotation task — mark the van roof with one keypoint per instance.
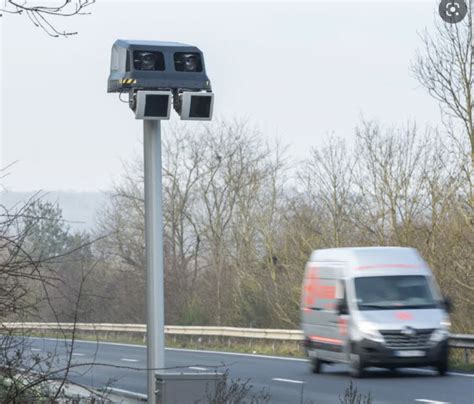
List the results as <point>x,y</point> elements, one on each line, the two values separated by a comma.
<point>372,257</point>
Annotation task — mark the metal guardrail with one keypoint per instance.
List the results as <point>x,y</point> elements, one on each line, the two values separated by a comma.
<point>461,341</point>
<point>256,333</point>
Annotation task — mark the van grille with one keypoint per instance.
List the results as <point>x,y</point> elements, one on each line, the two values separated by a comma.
<point>397,339</point>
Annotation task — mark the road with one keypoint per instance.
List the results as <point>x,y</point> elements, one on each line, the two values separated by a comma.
<point>284,378</point>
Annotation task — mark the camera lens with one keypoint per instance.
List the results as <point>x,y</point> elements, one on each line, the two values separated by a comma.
<point>190,63</point>
<point>187,62</point>
<point>150,61</point>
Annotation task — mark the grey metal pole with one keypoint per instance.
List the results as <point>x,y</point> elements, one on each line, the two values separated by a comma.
<point>154,252</point>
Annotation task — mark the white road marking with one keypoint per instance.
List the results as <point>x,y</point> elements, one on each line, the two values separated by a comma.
<point>424,400</point>
<point>460,374</point>
<point>433,372</point>
<point>197,368</point>
<point>77,354</point>
<point>277,379</point>
<point>239,354</point>
<point>36,349</point>
<point>129,360</point>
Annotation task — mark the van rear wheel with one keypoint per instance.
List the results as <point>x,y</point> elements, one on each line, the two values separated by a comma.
<point>357,367</point>
<point>316,365</point>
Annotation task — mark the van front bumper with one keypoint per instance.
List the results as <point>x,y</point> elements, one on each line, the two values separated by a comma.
<point>373,353</point>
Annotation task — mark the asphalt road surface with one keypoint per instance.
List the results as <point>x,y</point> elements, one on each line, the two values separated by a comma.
<point>287,380</point>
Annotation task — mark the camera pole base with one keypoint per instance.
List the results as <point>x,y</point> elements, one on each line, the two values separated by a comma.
<point>187,388</point>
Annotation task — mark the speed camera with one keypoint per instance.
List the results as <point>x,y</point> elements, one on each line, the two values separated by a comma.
<point>158,74</point>
<point>175,70</point>
<point>153,65</point>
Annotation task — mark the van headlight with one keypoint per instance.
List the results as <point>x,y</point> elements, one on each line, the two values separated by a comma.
<point>369,331</point>
<point>442,332</point>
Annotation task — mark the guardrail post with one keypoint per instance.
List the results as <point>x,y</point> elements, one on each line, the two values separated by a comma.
<point>466,356</point>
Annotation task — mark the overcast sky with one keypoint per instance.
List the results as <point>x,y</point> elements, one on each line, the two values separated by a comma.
<point>295,70</point>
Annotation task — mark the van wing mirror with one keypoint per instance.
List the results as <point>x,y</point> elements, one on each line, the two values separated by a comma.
<point>448,304</point>
<point>341,306</point>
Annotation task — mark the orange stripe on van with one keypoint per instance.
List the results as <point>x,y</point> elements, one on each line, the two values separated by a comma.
<point>342,323</point>
<point>382,266</point>
<point>326,340</point>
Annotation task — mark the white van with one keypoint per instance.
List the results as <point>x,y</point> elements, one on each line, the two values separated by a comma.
<point>374,306</point>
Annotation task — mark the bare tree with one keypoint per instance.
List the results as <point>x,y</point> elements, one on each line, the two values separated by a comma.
<point>388,177</point>
<point>222,191</point>
<point>121,222</point>
<point>42,13</point>
<point>328,183</point>
<point>183,154</point>
<point>233,154</point>
<point>445,67</point>
<point>266,283</point>
<point>24,270</point>
<point>16,267</point>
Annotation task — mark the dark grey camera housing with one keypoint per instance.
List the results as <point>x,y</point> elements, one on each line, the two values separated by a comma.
<point>153,65</point>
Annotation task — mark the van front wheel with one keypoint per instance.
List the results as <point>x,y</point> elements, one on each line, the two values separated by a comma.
<point>316,365</point>
<point>442,367</point>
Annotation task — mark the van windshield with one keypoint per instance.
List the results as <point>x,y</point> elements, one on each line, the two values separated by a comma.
<point>394,292</point>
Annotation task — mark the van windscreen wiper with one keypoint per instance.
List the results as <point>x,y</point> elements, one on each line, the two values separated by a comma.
<point>375,306</point>
<point>418,306</point>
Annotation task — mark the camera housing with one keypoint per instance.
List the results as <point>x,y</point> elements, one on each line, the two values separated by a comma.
<point>154,65</point>
<point>154,74</point>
